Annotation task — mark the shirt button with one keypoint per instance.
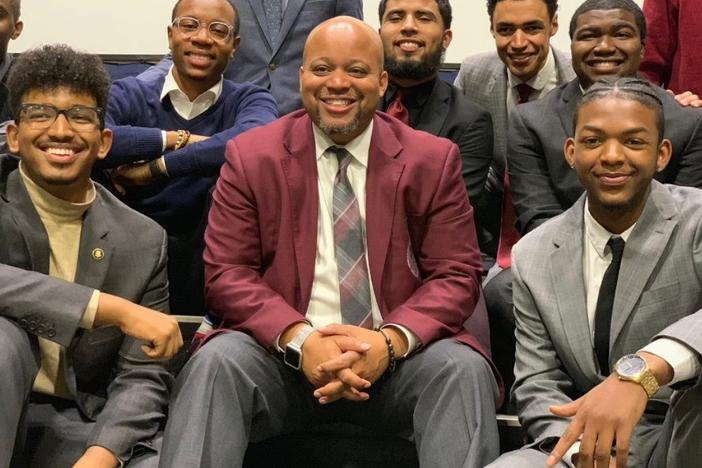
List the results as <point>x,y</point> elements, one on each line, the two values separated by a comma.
<point>272,66</point>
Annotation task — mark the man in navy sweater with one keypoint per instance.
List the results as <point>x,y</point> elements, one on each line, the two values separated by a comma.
<point>170,128</point>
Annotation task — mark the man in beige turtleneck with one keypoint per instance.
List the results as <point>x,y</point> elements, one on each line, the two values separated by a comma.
<point>82,331</point>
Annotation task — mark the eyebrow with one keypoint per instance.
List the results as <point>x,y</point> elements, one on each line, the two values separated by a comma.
<point>630,131</point>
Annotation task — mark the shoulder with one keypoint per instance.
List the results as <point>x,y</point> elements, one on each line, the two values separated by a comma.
<point>686,202</point>
<point>238,90</point>
<point>463,105</point>
<point>134,85</point>
<point>482,62</point>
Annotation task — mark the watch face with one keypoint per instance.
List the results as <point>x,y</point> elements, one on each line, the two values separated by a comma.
<point>293,358</point>
<point>631,365</point>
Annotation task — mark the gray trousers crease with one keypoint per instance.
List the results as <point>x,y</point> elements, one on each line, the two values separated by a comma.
<point>19,364</point>
<point>233,392</point>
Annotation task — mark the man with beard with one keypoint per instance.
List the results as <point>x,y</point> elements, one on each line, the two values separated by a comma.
<point>415,34</point>
<point>340,249</point>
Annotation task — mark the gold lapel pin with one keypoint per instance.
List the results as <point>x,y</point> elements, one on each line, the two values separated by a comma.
<point>98,253</point>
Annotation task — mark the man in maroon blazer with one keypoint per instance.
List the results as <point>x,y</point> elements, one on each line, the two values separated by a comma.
<point>340,249</point>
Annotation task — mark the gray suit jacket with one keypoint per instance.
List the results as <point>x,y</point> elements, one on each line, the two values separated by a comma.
<point>483,78</point>
<point>543,184</point>
<point>659,293</point>
<point>114,383</point>
<point>274,63</point>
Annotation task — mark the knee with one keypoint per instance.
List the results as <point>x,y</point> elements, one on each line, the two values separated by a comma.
<point>498,299</point>
<point>456,363</point>
<point>233,350</point>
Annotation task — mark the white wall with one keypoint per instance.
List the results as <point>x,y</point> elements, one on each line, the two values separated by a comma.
<point>139,26</point>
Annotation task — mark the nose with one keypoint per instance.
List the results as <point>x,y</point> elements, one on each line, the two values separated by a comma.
<point>604,45</point>
<point>519,40</point>
<point>202,35</point>
<point>612,154</point>
<point>60,128</point>
<point>338,80</point>
<point>409,25</point>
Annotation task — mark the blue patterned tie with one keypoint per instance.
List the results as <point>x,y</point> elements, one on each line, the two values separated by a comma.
<point>350,251</point>
<point>274,16</point>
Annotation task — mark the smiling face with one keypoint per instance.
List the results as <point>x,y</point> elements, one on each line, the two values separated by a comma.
<point>616,153</point>
<point>522,30</point>
<point>606,43</point>
<point>58,158</point>
<point>198,59</point>
<point>341,78</point>
<point>414,39</point>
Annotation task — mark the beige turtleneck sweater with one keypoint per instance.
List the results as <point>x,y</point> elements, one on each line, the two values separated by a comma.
<point>63,221</point>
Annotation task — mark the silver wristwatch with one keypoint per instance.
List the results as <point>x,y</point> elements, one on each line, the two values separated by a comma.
<point>293,351</point>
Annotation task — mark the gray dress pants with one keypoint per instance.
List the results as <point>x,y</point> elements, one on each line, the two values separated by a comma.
<point>233,392</point>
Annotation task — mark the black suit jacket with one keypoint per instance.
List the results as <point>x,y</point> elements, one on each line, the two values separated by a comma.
<point>544,185</point>
<point>448,113</point>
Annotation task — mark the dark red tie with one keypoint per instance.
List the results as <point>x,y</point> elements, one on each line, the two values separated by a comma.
<point>524,91</point>
<point>508,233</point>
<point>397,109</point>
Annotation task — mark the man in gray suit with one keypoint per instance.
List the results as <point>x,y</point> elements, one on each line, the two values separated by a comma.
<point>273,34</point>
<point>524,60</point>
<point>607,300</point>
<point>82,330</point>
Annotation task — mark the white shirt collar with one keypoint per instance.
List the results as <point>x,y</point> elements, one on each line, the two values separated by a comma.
<point>358,147</point>
<point>597,235</point>
<point>186,108</point>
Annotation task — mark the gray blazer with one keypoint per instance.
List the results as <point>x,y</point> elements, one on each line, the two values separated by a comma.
<point>483,78</point>
<point>659,294</point>
<point>274,63</point>
<point>114,383</point>
<point>543,184</point>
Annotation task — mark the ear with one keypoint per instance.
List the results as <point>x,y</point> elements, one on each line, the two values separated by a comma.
<point>12,137</point>
<point>235,45</point>
<point>17,30</point>
<point>105,143</point>
<point>665,150</point>
<point>446,38</point>
<point>569,151</point>
<point>383,83</point>
<point>554,24</point>
<point>169,30</point>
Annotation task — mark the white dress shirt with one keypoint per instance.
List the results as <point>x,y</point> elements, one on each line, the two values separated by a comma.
<point>325,307</point>
<point>543,83</point>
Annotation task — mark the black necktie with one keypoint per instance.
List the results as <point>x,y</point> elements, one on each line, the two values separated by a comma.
<point>605,301</point>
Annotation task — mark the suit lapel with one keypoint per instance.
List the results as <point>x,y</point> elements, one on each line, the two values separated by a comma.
<point>642,254</point>
<point>570,97</point>
<point>298,165</point>
<point>29,229</point>
<point>95,250</point>
<point>260,15</point>
<point>569,286</point>
<point>383,176</point>
<point>435,112</point>
<point>497,90</point>
<point>289,17</point>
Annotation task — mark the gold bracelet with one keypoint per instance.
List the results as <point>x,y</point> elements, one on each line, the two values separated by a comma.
<point>182,140</point>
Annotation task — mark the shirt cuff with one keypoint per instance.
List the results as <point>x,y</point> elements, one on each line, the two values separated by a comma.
<point>86,322</point>
<point>412,339</point>
<point>682,359</point>
<point>568,457</point>
<point>164,139</point>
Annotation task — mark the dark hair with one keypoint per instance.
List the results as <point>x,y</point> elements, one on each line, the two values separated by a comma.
<point>551,5</point>
<point>235,21</point>
<point>634,89</point>
<point>626,5</point>
<point>53,66</point>
<point>444,10</point>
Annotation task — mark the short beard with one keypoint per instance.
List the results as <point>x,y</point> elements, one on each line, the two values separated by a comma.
<point>330,130</point>
<point>413,70</point>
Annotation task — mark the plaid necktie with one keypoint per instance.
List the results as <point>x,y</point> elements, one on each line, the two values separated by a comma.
<point>350,251</point>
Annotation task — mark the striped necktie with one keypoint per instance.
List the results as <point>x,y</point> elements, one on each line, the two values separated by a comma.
<point>350,251</point>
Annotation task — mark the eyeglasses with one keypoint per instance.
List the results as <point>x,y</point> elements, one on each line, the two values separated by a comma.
<point>189,26</point>
<point>42,116</point>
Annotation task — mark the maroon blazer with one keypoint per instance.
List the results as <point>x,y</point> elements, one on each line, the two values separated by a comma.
<point>261,239</point>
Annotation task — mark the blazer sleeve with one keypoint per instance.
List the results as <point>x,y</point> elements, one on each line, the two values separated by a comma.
<point>533,193</point>
<point>42,305</point>
<point>540,380</point>
<point>234,287</point>
<point>137,397</point>
<point>448,260</point>
<point>475,143</point>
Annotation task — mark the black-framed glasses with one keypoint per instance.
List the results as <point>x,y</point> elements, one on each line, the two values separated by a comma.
<point>188,26</point>
<point>42,116</point>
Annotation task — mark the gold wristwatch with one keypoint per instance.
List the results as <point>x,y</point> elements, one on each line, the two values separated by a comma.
<point>634,368</point>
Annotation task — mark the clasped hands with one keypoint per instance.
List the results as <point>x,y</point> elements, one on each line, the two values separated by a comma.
<point>343,361</point>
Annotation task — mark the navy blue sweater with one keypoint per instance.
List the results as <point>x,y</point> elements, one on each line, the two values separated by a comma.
<point>136,115</point>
